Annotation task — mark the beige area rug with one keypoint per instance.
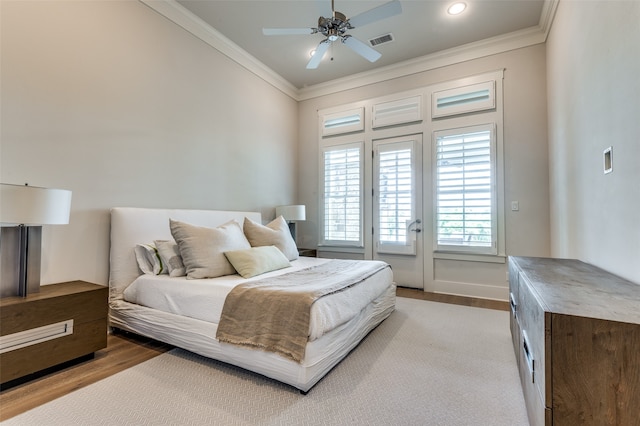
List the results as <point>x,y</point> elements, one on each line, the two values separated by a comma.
<point>427,364</point>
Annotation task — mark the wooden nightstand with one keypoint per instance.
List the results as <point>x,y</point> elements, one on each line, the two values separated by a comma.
<point>60,323</point>
<point>307,252</point>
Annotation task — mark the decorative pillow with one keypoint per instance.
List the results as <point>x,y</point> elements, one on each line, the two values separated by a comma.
<point>276,233</point>
<point>170,255</point>
<point>202,249</point>
<point>149,260</point>
<point>257,260</point>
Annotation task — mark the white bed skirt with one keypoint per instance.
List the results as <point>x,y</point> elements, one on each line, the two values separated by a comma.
<point>199,337</point>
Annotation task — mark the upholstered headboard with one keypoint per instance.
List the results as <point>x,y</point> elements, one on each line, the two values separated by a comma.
<point>131,226</point>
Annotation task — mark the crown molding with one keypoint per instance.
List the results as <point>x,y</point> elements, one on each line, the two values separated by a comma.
<point>176,13</point>
<point>467,52</point>
<point>546,17</point>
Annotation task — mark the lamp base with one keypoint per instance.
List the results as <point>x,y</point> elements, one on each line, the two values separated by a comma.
<point>292,229</point>
<point>20,258</point>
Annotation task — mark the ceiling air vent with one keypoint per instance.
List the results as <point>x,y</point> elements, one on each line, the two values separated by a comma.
<point>386,38</point>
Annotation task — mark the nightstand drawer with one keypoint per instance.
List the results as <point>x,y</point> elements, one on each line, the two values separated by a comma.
<point>86,338</point>
<point>29,346</point>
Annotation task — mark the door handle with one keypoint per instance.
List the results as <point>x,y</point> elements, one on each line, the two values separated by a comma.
<point>415,222</point>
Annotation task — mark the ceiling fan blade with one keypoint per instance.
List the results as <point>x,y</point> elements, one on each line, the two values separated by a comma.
<point>377,13</point>
<point>317,57</point>
<point>361,49</point>
<point>288,31</point>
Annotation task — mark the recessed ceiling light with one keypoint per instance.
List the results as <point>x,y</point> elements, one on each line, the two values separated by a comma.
<point>456,8</point>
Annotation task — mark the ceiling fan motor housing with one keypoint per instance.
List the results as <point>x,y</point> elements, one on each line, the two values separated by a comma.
<point>334,27</point>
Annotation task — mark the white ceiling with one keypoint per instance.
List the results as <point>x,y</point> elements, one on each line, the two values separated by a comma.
<point>422,30</point>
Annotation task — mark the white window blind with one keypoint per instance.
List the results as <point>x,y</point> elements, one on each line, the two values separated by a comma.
<point>465,190</point>
<point>342,122</point>
<point>342,208</point>
<point>461,100</point>
<point>395,195</point>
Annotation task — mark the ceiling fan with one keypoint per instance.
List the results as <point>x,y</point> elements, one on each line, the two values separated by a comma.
<point>335,28</point>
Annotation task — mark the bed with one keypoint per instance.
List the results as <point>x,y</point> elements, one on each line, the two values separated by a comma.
<point>188,311</point>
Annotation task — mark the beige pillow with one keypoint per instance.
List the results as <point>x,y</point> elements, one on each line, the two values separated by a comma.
<point>257,260</point>
<point>276,233</point>
<point>202,249</point>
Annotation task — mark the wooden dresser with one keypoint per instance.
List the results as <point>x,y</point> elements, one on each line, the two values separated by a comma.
<point>60,323</point>
<point>576,336</point>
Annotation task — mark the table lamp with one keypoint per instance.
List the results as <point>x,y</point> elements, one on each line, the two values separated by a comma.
<point>291,214</point>
<point>23,211</point>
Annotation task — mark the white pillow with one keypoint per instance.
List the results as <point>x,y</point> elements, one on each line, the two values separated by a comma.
<point>202,249</point>
<point>257,260</point>
<point>149,260</point>
<point>276,233</point>
<point>171,259</point>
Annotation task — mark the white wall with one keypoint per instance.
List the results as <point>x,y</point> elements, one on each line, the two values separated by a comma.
<point>593,57</point>
<point>124,108</point>
<point>525,149</point>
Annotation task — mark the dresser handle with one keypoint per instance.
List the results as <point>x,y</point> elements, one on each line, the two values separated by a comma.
<point>512,303</point>
<point>528,356</point>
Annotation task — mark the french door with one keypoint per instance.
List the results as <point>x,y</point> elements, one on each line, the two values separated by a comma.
<point>397,207</point>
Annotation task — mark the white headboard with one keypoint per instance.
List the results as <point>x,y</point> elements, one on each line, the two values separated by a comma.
<point>131,226</point>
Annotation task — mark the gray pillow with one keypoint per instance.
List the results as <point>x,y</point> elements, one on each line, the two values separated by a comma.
<point>171,259</point>
<point>276,233</point>
<point>149,260</point>
<point>202,249</point>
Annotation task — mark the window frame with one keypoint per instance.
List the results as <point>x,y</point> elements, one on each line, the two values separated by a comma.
<point>323,240</point>
<point>493,249</point>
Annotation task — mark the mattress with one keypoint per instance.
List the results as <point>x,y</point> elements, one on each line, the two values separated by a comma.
<point>203,299</point>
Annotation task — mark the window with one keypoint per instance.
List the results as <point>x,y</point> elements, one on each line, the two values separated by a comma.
<point>465,182</point>
<point>342,195</point>
<point>342,122</point>
<point>395,188</point>
<point>461,100</point>
<point>396,172</point>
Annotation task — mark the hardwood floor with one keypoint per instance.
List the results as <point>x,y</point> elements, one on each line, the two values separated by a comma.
<point>125,350</point>
<point>455,300</point>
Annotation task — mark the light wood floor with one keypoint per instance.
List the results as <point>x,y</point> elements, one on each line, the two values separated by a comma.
<point>125,350</point>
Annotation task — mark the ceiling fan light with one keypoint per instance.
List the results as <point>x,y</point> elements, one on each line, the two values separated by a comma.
<point>456,8</point>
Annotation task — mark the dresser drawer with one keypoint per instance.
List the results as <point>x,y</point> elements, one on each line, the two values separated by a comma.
<point>538,413</point>
<point>534,341</point>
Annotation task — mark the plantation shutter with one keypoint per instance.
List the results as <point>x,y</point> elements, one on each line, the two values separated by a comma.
<point>395,217</point>
<point>465,190</point>
<point>342,198</point>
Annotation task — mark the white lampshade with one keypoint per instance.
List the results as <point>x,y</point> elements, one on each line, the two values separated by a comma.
<point>291,213</point>
<point>31,205</point>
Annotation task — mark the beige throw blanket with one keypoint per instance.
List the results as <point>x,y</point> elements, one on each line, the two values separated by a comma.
<point>273,314</point>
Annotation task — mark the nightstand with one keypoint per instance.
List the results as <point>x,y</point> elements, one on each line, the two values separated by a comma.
<point>61,323</point>
<point>307,252</point>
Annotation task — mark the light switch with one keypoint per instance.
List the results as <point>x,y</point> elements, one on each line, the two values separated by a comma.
<point>515,206</point>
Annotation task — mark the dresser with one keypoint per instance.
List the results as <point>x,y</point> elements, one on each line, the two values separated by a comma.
<point>576,337</point>
<point>60,323</point>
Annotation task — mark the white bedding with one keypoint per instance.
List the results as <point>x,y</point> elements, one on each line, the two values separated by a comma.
<point>189,319</point>
<point>203,299</point>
